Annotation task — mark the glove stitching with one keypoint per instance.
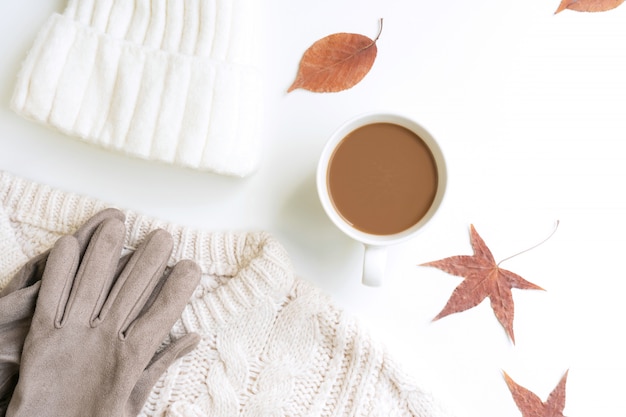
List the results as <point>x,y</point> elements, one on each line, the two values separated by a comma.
<point>63,304</point>
<point>143,303</point>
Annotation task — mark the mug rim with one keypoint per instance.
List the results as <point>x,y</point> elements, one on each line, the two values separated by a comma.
<point>322,183</point>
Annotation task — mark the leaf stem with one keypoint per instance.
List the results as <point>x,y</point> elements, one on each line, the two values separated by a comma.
<point>380,29</point>
<point>556,226</point>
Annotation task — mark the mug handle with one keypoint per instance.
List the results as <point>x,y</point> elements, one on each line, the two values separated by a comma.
<point>374,263</point>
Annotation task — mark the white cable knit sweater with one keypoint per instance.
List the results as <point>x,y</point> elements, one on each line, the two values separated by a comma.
<point>272,344</point>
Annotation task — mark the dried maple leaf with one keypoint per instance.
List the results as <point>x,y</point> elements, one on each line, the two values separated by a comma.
<point>336,62</point>
<point>483,278</point>
<point>588,5</point>
<point>531,406</point>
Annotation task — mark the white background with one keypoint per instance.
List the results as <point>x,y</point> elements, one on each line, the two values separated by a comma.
<point>530,110</point>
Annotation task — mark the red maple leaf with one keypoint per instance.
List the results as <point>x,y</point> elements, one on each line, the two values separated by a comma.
<point>483,278</point>
<point>531,406</point>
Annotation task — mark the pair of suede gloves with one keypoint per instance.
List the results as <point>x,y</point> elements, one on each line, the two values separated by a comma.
<point>80,325</point>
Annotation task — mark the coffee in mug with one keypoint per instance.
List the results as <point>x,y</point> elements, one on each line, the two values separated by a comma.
<point>381,178</point>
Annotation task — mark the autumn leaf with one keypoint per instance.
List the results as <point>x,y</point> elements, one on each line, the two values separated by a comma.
<point>336,62</point>
<point>483,278</point>
<point>531,406</point>
<point>588,5</point>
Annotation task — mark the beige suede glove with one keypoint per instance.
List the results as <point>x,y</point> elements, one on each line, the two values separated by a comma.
<point>17,305</point>
<point>90,350</point>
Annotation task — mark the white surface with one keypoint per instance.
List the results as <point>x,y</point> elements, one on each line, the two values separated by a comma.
<point>530,110</point>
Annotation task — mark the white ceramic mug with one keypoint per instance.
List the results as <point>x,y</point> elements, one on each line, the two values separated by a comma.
<point>375,255</point>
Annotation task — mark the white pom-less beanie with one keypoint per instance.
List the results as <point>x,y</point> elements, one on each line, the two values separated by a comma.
<point>176,81</point>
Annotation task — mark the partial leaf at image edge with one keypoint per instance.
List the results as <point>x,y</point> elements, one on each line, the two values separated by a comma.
<point>531,405</point>
<point>588,5</point>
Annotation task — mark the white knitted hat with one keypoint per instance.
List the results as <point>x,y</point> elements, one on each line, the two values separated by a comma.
<point>271,343</point>
<point>176,81</point>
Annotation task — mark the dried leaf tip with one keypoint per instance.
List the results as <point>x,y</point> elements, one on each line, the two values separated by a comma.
<point>564,5</point>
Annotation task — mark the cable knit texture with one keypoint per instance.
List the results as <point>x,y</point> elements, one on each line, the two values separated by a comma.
<point>176,81</point>
<point>272,344</point>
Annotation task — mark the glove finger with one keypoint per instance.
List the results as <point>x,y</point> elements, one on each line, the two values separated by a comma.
<point>56,282</point>
<point>5,395</point>
<point>10,366</point>
<point>86,231</point>
<point>138,279</point>
<point>158,365</point>
<point>17,306</point>
<point>32,271</point>
<point>157,320</point>
<point>16,311</point>
<point>97,271</point>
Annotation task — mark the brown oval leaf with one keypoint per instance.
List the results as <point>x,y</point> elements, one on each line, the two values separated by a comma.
<point>335,63</point>
<point>588,5</point>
